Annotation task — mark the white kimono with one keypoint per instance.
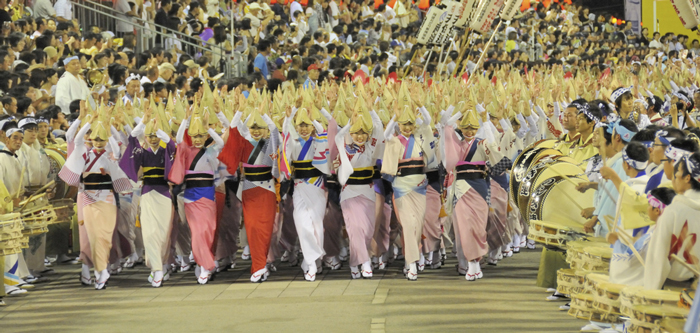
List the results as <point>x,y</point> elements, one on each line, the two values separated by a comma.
<point>36,162</point>
<point>676,233</point>
<point>70,88</point>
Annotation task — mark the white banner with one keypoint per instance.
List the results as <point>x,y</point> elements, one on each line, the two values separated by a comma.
<point>511,8</point>
<point>685,13</point>
<point>430,22</point>
<point>633,14</point>
<point>469,9</point>
<point>449,18</point>
<point>695,7</point>
<point>487,13</point>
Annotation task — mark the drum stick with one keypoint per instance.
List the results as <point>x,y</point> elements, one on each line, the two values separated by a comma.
<point>563,176</point>
<point>21,179</point>
<point>682,261</point>
<point>42,189</point>
<point>625,239</point>
<point>617,214</point>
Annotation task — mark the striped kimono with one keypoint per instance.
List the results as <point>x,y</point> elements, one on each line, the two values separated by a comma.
<point>197,169</point>
<point>309,159</point>
<point>156,202</point>
<point>404,164</point>
<point>356,175</point>
<point>100,180</point>
<point>468,194</point>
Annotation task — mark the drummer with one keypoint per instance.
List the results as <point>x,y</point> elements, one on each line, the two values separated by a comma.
<point>568,140</point>
<point>36,163</point>
<point>676,230</point>
<point>622,133</point>
<point>588,116</point>
<point>10,175</point>
<point>633,216</point>
<point>625,267</point>
<point>663,139</point>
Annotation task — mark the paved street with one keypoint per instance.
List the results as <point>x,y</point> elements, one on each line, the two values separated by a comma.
<point>506,300</point>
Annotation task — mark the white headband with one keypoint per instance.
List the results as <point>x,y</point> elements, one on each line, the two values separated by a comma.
<point>132,76</point>
<point>12,131</point>
<point>26,121</point>
<point>675,154</point>
<point>637,165</point>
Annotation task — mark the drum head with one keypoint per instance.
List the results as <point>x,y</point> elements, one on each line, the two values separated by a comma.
<point>522,163</point>
<point>552,200</point>
<point>533,177</point>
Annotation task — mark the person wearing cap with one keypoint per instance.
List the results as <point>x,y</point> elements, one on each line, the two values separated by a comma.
<point>305,161</point>
<point>254,10</point>
<point>156,209</point>
<point>36,164</point>
<point>99,178</point>
<point>10,176</point>
<point>314,71</point>
<point>192,68</point>
<point>51,56</point>
<point>71,86</point>
<point>167,73</point>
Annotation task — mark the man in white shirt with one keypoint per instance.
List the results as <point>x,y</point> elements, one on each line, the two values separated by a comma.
<point>123,7</point>
<point>253,11</point>
<point>71,86</point>
<point>335,13</point>
<point>656,43</point>
<point>43,9</point>
<point>64,9</point>
<point>389,14</point>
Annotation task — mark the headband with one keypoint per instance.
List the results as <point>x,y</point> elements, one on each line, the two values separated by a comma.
<point>69,59</point>
<point>625,134</point>
<point>647,144</point>
<point>11,131</point>
<point>603,108</point>
<point>655,202</point>
<point>619,92</point>
<point>692,166</point>
<point>682,97</point>
<point>664,138</point>
<point>646,105</point>
<point>637,165</point>
<point>675,154</point>
<point>587,112</point>
<point>26,121</point>
<point>132,76</point>
<point>42,120</point>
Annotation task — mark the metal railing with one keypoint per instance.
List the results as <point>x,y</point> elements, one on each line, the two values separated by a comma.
<point>90,13</point>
